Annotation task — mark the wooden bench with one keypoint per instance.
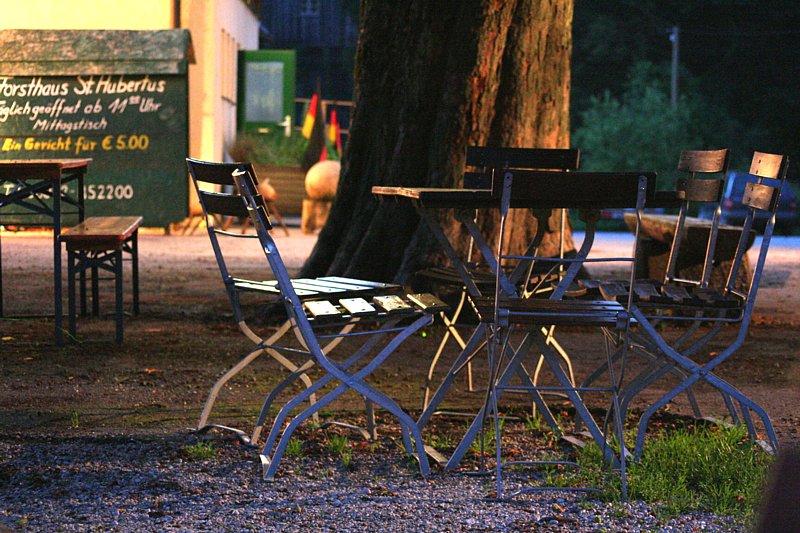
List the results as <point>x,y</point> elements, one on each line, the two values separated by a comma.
<point>659,230</point>
<point>98,243</point>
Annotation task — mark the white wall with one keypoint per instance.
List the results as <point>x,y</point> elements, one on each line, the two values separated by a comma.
<point>86,14</point>
<point>212,110</point>
<point>218,27</point>
<point>218,30</point>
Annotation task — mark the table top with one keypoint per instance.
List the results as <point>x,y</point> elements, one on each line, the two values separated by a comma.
<point>57,163</point>
<point>438,197</point>
<point>549,197</point>
<point>49,168</point>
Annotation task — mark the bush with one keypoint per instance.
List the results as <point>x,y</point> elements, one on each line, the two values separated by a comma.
<point>272,148</point>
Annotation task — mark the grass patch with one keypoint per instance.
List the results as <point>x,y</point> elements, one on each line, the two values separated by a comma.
<point>708,468</point>
<point>487,444</point>
<point>294,448</point>
<point>199,451</point>
<point>340,445</point>
<point>442,441</point>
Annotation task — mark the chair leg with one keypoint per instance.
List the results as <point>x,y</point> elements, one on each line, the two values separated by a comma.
<point>348,381</point>
<point>474,344</point>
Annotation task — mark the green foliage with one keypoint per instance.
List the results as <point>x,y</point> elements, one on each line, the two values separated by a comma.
<point>272,148</point>
<point>710,468</point>
<point>535,423</point>
<point>736,53</point>
<point>641,131</point>
<point>442,441</point>
<point>487,440</point>
<point>294,448</point>
<point>340,445</point>
<point>199,451</point>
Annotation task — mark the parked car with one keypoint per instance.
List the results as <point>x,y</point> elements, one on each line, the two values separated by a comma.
<point>733,212</point>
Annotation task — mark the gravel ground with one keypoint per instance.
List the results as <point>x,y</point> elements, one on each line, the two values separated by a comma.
<point>118,473</point>
<point>151,484</point>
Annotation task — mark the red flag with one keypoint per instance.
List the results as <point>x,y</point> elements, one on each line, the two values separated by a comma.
<point>335,133</point>
<point>311,114</point>
<point>316,137</point>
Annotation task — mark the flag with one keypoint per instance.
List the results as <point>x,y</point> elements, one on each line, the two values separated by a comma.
<point>317,138</point>
<point>335,134</point>
<point>311,114</point>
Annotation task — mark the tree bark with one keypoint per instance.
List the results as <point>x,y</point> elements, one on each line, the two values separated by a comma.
<point>431,78</point>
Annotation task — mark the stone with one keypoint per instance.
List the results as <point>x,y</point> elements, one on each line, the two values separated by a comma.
<point>322,179</point>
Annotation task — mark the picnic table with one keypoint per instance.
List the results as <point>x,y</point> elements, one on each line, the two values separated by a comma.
<point>36,186</point>
<point>659,231</point>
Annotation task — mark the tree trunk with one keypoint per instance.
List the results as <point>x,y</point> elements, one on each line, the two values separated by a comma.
<point>431,78</point>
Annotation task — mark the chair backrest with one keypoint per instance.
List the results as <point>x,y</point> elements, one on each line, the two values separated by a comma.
<point>704,184</point>
<point>247,193</point>
<point>761,195</point>
<point>221,201</point>
<point>579,190</point>
<point>583,190</point>
<point>491,160</point>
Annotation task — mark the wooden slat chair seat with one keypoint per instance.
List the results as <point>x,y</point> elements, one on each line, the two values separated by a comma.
<point>321,313</point>
<point>530,312</point>
<point>98,243</point>
<point>653,294</point>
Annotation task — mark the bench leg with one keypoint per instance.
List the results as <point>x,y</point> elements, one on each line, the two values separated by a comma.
<point>81,258</point>
<point>72,259</point>
<point>135,270</point>
<point>118,292</point>
<point>95,288</point>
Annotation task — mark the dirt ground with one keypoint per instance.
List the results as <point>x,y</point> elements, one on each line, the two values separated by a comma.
<point>185,337</point>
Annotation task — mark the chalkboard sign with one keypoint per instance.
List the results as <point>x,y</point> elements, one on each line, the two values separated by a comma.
<point>133,125</point>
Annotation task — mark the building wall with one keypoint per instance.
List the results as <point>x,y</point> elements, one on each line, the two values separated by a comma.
<point>219,29</point>
<point>86,15</point>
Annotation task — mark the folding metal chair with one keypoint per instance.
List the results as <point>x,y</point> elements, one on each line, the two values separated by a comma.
<point>388,320</point>
<point>703,186</point>
<point>217,206</point>
<point>717,305</point>
<point>507,316</point>
<point>490,162</point>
